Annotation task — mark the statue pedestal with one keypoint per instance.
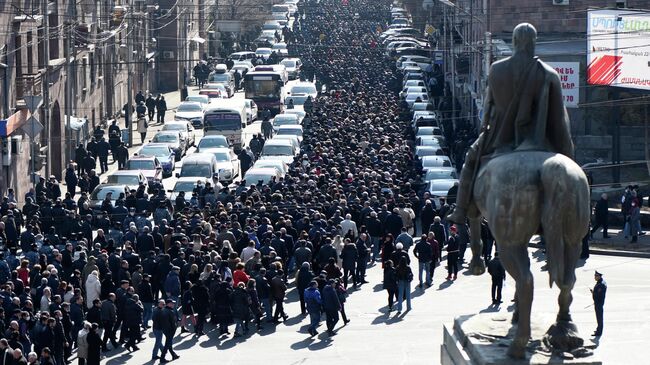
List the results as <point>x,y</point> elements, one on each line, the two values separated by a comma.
<point>483,339</point>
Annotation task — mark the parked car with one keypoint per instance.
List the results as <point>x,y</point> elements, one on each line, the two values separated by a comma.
<point>440,189</point>
<point>412,89</point>
<point>102,191</point>
<point>293,138</point>
<point>227,163</point>
<point>187,186</point>
<point>200,164</point>
<point>279,149</point>
<point>284,119</point>
<point>421,151</point>
<point>261,175</point>
<point>127,177</point>
<point>149,166</point>
<point>304,87</point>
<point>435,161</point>
<point>293,66</point>
<point>279,165</point>
<point>191,111</point>
<point>428,131</point>
<point>174,140</point>
<point>185,128</point>
<point>263,52</point>
<point>212,141</point>
<point>280,49</point>
<point>251,110</point>
<point>221,76</point>
<point>162,152</point>
<point>291,130</point>
<point>298,112</point>
<point>201,99</point>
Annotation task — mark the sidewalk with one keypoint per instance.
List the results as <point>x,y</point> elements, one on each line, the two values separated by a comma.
<point>615,245</point>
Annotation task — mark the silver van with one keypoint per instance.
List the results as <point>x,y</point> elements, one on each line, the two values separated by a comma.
<point>200,165</point>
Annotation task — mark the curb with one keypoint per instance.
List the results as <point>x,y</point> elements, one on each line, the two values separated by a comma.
<point>598,251</point>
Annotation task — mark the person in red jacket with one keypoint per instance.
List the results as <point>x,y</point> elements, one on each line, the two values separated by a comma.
<point>239,275</point>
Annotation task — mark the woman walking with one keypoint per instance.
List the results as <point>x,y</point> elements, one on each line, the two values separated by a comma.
<point>404,278</point>
<point>390,283</point>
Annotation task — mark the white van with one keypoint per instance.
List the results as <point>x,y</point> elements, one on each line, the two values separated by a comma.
<point>226,117</point>
<point>200,164</point>
<point>242,56</point>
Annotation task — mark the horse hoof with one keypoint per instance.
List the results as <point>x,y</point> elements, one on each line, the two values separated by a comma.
<point>477,266</point>
<point>563,336</point>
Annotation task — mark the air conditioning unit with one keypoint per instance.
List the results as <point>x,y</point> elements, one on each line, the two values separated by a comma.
<point>560,2</point>
<point>168,55</point>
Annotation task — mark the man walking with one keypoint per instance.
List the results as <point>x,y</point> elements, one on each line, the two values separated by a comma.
<point>598,294</point>
<point>161,108</point>
<point>313,302</point>
<point>498,274</point>
<point>452,253</point>
<point>424,253</point>
<point>332,306</point>
<point>601,212</point>
<point>169,324</point>
<point>278,289</point>
<point>109,318</point>
<point>151,106</point>
<point>158,327</point>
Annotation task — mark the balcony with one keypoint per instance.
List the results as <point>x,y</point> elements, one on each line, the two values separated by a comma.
<point>28,84</point>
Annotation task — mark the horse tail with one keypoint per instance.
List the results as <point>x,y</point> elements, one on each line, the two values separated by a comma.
<point>565,216</point>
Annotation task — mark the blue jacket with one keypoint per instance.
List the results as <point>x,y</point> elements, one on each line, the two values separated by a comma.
<point>313,300</point>
<point>173,284</point>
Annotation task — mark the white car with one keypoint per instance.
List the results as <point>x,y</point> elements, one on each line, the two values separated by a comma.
<point>227,163</point>
<point>263,52</point>
<point>291,130</point>
<point>410,83</point>
<point>127,177</point>
<point>280,49</point>
<point>298,112</point>
<point>435,161</point>
<point>413,97</point>
<point>421,151</point>
<point>279,149</point>
<point>293,66</point>
<point>294,139</point>
<point>440,188</point>
<point>279,165</point>
<point>308,88</point>
<point>284,119</point>
<point>428,131</point>
<point>261,175</point>
<point>212,141</point>
<point>201,99</point>
<point>411,90</point>
<point>185,128</point>
<point>190,111</point>
<point>251,110</point>
<point>187,186</point>
<point>437,173</point>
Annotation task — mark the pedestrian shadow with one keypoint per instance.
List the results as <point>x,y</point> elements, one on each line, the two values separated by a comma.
<point>294,320</point>
<point>121,359</point>
<point>378,287</point>
<point>387,319</point>
<point>267,329</point>
<point>491,309</point>
<point>188,342</point>
<point>418,292</point>
<point>444,285</point>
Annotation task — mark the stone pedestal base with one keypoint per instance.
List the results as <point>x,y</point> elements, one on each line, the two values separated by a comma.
<point>483,339</point>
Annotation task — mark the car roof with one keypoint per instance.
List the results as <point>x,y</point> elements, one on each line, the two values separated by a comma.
<point>215,149</point>
<point>262,171</point>
<point>193,179</point>
<point>111,185</point>
<point>198,156</point>
<point>290,126</point>
<point>214,136</point>
<point>190,102</point>
<point>155,144</point>
<point>141,157</point>
<point>171,133</point>
<point>126,172</point>
<point>278,142</point>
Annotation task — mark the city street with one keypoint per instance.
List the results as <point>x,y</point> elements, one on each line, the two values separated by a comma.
<point>376,337</point>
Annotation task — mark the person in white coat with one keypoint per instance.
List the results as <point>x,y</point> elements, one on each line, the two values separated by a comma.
<point>142,128</point>
<point>82,343</point>
<point>349,226</point>
<point>93,288</point>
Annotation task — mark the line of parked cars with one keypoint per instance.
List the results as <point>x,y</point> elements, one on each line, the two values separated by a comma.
<point>412,54</point>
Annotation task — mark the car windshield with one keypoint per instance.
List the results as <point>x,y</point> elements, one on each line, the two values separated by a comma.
<point>426,151</point>
<point>174,127</point>
<point>263,51</point>
<point>123,179</point>
<point>164,138</point>
<point>158,151</point>
<point>288,63</point>
<point>285,119</point>
<point>188,107</point>
<point>290,132</point>
<point>101,192</point>
<point>215,87</point>
<point>274,150</point>
<point>219,77</point>
<point>186,186</point>
<point>200,170</point>
<point>254,178</point>
<point>223,121</point>
<point>442,185</point>
<point>279,46</point>
<point>195,98</point>
<point>213,142</point>
<point>140,165</point>
<point>441,174</point>
<point>303,89</point>
<point>222,156</point>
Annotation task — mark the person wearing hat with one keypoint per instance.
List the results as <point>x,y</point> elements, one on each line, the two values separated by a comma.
<point>169,323</point>
<point>598,294</point>
<point>452,253</point>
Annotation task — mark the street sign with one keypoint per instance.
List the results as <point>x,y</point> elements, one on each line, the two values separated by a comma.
<point>33,127</point>
<point>438,57</point>
<point>33,102</point>
<point>429,29</point>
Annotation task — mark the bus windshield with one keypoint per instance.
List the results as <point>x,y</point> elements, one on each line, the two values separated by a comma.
<point>263,89</point>
<point>222,121</point>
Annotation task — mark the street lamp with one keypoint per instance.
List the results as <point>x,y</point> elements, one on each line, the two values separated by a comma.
<point>5,90</point>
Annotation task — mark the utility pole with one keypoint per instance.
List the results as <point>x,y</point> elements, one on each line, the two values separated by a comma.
<point>453,68</point>
<point>69,79</point>
<point>46,94</point>
<point>129,67</point>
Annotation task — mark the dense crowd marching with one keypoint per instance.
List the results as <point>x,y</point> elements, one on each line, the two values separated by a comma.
<point>77,280</point>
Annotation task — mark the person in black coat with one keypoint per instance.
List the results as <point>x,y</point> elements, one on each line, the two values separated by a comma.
<point>103,149</point>
<point>601,213</point>
<point>427,213</point>
<point>71,180</point>
<point>161,108</point>
<point>349,257</point>
<point>394,223</point>
<point>241,311</point>
<point>133,311</point>
<point>452,254</point>
<point>598,294</point>
<point>80,154</point>
<point>498,274</point>
<point>201,299</point>
<point>94,346</point>
<point>151,106</point>
<point>305,276</point>
<point>223,312</point>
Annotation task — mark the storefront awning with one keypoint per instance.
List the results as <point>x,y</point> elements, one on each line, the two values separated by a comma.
<point>76,124</point>
<point>14,122</point>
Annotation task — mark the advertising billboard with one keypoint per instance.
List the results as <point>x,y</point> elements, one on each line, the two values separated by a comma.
<point>570,78</point>
<point>618,48</point>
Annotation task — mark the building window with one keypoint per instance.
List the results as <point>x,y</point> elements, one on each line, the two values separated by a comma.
<point>621,4</point>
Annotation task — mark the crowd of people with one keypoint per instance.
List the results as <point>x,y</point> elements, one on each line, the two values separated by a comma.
<point>76,279</point>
